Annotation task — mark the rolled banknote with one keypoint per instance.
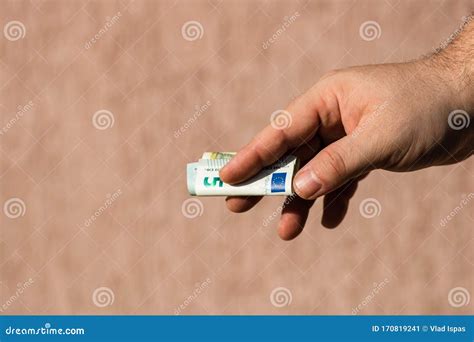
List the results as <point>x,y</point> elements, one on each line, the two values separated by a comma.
<point>276,179</point>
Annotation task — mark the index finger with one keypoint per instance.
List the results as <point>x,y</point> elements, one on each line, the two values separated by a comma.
<point>288,129</point>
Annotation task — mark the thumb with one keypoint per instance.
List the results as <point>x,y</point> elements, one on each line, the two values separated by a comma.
<point>333,166</point>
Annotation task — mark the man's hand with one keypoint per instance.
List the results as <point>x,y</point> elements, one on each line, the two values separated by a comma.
<point>393,116</point>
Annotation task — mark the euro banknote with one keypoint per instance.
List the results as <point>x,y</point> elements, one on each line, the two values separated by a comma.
<point>276,179</point>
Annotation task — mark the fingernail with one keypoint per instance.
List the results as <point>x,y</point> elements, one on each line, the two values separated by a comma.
<point>307,184</point>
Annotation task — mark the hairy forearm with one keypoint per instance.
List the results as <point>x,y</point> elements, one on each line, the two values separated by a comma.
<point>453,65</point>
<point>456,59</point>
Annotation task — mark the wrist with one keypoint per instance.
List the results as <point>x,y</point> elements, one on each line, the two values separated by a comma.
<point>450,73</point>
<point>451,82</point>
<point>455,65</point>
<point>458,76</point>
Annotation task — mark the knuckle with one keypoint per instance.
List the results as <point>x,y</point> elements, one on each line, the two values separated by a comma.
<point>294,102</point>
<point>329,74</point>
<point>263,150</point>
<point>258,151</point>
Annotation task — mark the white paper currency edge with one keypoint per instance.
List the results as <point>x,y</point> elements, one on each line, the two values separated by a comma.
<point>203,179</point>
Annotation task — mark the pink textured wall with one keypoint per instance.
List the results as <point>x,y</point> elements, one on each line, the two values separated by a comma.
<point>142,254</point>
